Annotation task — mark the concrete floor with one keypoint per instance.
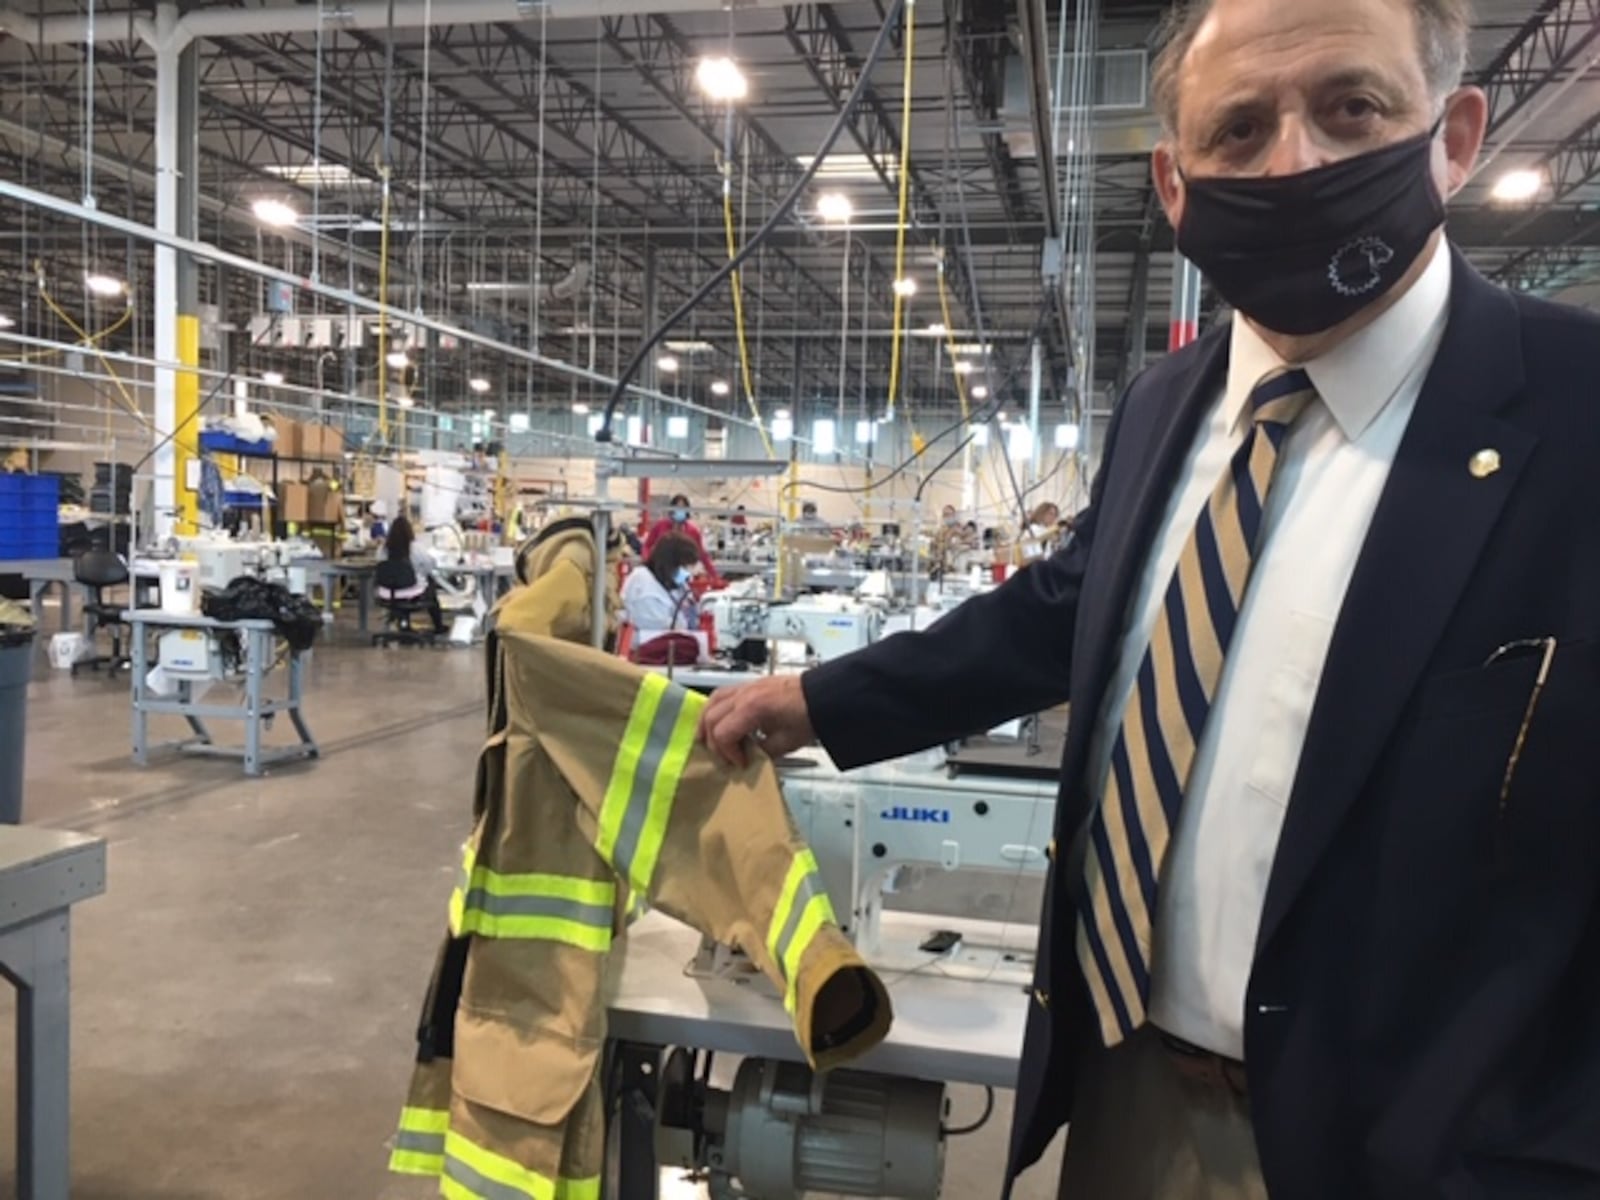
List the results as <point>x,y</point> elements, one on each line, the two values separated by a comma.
<point>246,990</point>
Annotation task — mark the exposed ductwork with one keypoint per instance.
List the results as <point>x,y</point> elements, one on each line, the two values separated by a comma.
<point>220,21</point>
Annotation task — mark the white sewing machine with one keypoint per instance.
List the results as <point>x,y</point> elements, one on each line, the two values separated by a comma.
<point>828,626</point>
<point>971,848</point>
<point>222,560</point>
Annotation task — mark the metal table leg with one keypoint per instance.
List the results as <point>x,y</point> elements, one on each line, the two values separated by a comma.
<point>34,957</point>
<point>141,720</point>
<point>297,667</point>
<point>363,598</point>
<point>258,648</point>
<point>633,1074</point>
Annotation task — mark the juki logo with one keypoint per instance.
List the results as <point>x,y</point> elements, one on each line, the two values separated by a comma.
<point>922,816</point>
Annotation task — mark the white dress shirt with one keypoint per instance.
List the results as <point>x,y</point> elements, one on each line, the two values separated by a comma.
<point>652,609</point>
<point>1331,470</point>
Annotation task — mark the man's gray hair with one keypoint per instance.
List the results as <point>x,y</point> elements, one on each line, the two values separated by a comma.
<point>1442,30</point>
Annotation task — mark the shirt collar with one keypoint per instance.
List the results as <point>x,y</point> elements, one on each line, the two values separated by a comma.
<point>1356,379</point>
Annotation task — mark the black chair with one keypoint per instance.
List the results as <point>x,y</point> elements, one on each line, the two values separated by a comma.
<point>390,578</point>
<point>98,570</point>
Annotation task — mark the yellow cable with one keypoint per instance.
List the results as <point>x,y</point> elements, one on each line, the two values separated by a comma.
<point>738,315</point>
<point>905,197</point>
<point>89,339</point>
<point>950,344</point>
<point>128,401</point>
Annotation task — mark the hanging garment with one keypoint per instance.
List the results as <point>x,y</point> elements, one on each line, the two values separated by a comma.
<point>592,798</point>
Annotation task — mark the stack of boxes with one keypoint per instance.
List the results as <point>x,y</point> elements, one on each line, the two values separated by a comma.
<point>28,526</point>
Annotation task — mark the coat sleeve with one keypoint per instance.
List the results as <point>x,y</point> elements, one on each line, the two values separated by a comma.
<point>998,656</point>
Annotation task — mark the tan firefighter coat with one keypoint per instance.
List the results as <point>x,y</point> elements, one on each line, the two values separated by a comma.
<point>591,794</point>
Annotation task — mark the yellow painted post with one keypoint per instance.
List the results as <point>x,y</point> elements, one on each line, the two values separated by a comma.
<point>186,420</point>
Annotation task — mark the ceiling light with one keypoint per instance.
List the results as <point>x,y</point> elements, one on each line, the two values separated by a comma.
<point>1067,437</point>
<point>980,392</point>
<point>1517,186</point>
<point>103,285</point>
<point>580,409</point>
<point>272,378</point>
<point>720,79</point>
<point>667,365</point>
<point>719,387</point>
<point>963,367</point>
<point>971,348</point>
<point>397,359</point>
<point>479,384</point>
<point>678,428</point>
<point>6,322</point>
<point>322,174</point>
<point>689,347</point>
<point>841,167</point>
<point>273,212</point>
<point>835,207</point>
<point>905,287</point>
<point>520,422</point>
<point>937,329</point>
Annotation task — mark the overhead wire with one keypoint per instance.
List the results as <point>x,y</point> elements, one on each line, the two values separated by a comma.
<point>735,283</point>
<point>777,217</point>
<point>900,282</point>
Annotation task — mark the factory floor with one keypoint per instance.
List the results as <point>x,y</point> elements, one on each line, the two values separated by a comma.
<point>244,994</point>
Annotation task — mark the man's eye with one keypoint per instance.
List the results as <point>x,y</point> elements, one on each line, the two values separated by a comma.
<point>1236,131</point>
<point>1358,108</point>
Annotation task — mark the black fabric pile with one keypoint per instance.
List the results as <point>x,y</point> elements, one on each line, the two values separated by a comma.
<point>247,598</point>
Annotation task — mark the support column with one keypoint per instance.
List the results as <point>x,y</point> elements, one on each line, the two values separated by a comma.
<point>186,408</point>
<point>1035,391</point>
<point>1185,324</point>
<point>174,142</point>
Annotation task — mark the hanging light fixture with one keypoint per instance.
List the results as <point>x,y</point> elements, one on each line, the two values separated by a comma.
<point>720,78</point>
<point>102,284</point>
<point>835,208</point>
<point>274,212</point>
<point>479,384</point>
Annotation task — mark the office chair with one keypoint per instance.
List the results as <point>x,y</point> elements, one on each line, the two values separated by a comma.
<point>389,579</point>
<point>98,570</point>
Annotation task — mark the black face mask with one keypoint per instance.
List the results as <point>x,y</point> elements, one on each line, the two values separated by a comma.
<point>1300,253</point>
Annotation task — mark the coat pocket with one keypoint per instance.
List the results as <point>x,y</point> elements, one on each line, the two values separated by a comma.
<point>535,1075</point>
<point>1508,683</point>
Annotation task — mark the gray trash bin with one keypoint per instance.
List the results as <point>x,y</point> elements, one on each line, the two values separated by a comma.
<point>16,665</point>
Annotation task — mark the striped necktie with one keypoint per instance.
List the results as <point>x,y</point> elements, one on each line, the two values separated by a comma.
<point>1171,697</point>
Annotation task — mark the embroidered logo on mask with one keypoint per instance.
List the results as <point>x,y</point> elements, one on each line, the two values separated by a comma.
<point>1357,267</point>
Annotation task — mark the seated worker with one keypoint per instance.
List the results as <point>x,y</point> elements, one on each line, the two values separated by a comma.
<point>1039,538</point>
<point>677,522</point>
<point>656,598</point>
<point>406,571</point>
<point>811,520</point>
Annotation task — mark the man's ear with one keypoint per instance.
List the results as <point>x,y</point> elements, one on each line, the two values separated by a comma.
<point>1168,182</point>
<point>1466,118</point>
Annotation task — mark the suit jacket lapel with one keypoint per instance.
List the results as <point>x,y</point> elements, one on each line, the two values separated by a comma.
<point>1150,452</point>
<point>1431,526</point>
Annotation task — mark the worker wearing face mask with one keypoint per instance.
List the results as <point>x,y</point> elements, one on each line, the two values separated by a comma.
<point>677,522</point>
<point>657,598</point>
<point>1323,914</point>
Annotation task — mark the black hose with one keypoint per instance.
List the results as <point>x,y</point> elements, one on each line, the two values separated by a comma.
<point>785,206</point>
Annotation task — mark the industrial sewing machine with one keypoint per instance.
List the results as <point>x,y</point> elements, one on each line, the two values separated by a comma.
<point>907,834</point>
<point>828,626</point>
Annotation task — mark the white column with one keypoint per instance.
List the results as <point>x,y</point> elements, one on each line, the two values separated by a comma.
<point>167,49</point>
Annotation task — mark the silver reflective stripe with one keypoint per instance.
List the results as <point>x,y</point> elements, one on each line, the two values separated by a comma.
<point>481,1185</point>
<point>808,890</point>
<point>596,915</point>
<point>421,1143</point>
<point>644,778</point>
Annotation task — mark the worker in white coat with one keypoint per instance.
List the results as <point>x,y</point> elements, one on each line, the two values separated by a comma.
<point>656,598</point>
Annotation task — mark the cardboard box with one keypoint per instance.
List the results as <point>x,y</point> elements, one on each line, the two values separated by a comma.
<point>322,441</point>
<point>294,502</point>
<point>290,442</point>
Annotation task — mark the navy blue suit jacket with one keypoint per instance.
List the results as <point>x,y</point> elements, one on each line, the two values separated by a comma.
<point>1423,1013</point>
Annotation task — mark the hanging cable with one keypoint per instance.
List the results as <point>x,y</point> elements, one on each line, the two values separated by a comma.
<point>905,198</point>
<point>385,172</point>
<point>779,214</point>
<point>738,303</point>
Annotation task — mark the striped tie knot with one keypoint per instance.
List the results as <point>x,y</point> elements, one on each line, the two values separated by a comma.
<point>1281,397</point>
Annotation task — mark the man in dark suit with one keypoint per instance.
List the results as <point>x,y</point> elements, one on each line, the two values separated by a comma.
<point>1324,916</point>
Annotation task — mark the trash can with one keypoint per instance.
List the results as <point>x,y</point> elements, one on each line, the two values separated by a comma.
<point>16,665</point>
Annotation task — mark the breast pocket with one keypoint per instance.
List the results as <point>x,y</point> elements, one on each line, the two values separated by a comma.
<point>1507,684</point>
<point>1290,695</point>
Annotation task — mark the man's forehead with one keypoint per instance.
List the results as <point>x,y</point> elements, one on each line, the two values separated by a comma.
<point>1232,27</point>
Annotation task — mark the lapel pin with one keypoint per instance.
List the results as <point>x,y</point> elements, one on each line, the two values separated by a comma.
<point>1484,463</point>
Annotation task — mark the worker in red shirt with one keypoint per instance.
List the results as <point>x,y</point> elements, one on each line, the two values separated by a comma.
<point>677,521</point>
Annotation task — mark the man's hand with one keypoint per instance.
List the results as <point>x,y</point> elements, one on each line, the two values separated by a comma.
<point>771,710</point>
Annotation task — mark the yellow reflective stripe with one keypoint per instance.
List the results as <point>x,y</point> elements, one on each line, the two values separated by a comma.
<point>546,929</point>
<point>490,1176</point>
<point>663,790</point>
<point>601,892</point>
<point>802,864</point>
<point>458,897</point>
<point>817,912</point>
<point>424,1120</point>
<point>620,787</point>
<point>578,1189</point>
<point>412,1162</point>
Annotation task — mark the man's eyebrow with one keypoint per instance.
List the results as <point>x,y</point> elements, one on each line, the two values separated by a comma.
<point>1351,78</point>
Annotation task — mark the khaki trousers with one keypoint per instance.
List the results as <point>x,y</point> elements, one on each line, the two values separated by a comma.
<point>1143,1130</point>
